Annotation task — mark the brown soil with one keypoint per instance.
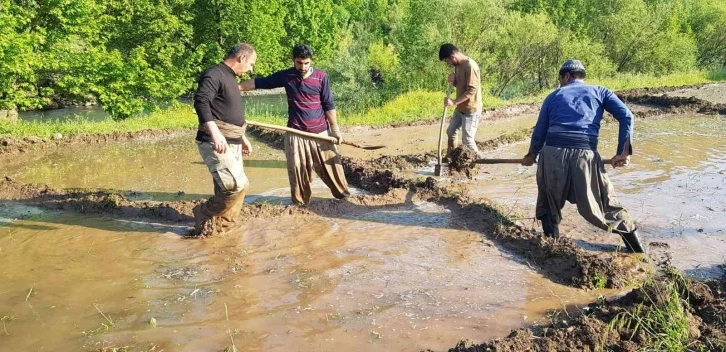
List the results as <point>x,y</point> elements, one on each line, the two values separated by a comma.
<point>14,145</point>
<point>604,326</point>
<point>513,137</point>
<point>671,104</point>
<point>462,162</point>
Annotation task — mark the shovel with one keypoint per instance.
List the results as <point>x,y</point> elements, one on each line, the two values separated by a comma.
<point>514,161</point>
<point>313,135</point>
<point>444,169</point>
<point>437,169</point>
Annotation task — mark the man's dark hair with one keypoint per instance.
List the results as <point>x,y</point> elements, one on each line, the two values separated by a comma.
<point>447,50</point>
<point>576,74</point>
<point>240,49</point>
<point>302,51</point>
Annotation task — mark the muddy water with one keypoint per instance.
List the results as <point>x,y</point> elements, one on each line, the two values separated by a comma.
<point>399,278</point>
<point>156,171</point>
<point>675,189</point>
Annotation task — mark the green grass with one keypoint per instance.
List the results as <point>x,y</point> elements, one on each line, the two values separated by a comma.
<point>409,107</point>
<point>175,118</point>
<point>663,322</point>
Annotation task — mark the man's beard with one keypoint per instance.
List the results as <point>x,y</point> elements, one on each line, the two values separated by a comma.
<point>303,72</point>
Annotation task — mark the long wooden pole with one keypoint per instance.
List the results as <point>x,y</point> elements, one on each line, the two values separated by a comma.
<point>514,161</point>
<point>292,130</point>
<point>437,171</point>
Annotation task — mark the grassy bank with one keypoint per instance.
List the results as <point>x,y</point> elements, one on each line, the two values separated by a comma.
<point>408,107</point>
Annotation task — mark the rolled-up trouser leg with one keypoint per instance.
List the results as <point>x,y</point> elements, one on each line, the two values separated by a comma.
<point>305,155</point>
<point>230,183</point>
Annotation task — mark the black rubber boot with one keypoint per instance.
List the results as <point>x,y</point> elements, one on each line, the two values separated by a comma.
<point>632,242</point>
<point>549,227</point>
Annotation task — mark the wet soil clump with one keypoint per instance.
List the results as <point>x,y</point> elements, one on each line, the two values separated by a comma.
<point>668,312</point>
<point>462,161</point>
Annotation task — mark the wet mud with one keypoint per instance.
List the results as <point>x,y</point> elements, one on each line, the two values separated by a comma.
<point>629,323</point>
<point>10,145</point>
<point>701,99</point>
<point>561,260</point>
<point>462,162</point>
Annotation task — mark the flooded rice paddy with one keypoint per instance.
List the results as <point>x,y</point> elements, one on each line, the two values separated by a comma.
<point>396,277</point>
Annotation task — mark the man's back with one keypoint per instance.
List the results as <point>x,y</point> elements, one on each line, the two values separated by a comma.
<point>578,108</point>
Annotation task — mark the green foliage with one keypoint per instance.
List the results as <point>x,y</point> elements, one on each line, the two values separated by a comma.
<point>19,68</point>
<point>708,23</point>
<point>384,59</point>
<point>312,22</point>
<point>132,56</point>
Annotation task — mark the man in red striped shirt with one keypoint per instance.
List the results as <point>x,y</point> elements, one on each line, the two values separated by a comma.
<point>310,108</point>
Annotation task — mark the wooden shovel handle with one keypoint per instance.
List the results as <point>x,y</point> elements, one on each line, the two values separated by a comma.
<point>292,130</point>
<point>515,161</point>
<point>441,128</point>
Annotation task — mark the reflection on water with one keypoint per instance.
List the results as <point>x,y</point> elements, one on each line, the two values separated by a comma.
<point>381,282</point>
<point>157,171</point>
<point>675,188</point>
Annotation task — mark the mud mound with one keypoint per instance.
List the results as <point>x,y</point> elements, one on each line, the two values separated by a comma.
<point>462,161</point>
<point>15,145</point>
<point>94,202</point>
<point>273,138</point>
<point>661,315</point>
<point>675,104</point>
<point>404,162</point>
<point>114,204</point>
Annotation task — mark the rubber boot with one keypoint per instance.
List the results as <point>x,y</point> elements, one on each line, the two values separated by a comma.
<point>632,242</point>
<point>550,227</point>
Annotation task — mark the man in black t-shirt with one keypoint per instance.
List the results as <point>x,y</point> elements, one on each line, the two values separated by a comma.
<point>221,140</point>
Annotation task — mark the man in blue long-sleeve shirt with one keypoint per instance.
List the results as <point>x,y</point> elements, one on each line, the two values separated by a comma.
<point>570,167</point>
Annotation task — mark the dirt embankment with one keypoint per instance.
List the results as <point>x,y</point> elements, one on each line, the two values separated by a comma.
<point>20,145</point>
<point>561,260</point>
<point>667,104</point>
<point>667,313</point>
